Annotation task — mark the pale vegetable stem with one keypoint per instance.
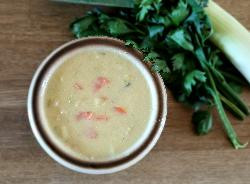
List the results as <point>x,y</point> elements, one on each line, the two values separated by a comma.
<point>231,37</point>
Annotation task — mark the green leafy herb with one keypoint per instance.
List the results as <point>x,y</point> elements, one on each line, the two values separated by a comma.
<point>181,38</point>
<point>173,36</point>
<point>179,13</point>
<point>192,78</point>
<point>203,122</point>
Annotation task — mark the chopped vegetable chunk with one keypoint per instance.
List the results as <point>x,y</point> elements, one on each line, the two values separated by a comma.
<point>100,83</point>
<point>78,86</point>
<point>120,110</point>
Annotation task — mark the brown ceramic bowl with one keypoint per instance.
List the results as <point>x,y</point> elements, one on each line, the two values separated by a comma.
<point>60,155</point>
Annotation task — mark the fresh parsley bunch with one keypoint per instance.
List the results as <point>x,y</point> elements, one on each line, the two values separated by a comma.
<point>173,36</point>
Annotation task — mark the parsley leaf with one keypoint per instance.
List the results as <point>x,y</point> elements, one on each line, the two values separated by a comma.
<point>154,30</point>
<point>179,13</point>
<point>151,56</point>
<point>81,25</point>
<point>178,61</point>
<point>181,38</point>
<point>203,122</point>
<point>117,27</point>
<point>192,78</point>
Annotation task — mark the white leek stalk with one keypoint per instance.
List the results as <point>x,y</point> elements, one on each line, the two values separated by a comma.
<point>231,37</point>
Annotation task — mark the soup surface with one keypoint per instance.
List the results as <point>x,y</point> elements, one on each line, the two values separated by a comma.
<point>97,103</point>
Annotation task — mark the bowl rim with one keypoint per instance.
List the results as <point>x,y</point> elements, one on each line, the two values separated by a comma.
<point>69,161</point>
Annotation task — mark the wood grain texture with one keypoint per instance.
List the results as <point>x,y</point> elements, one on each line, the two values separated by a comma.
<point>29,31</point>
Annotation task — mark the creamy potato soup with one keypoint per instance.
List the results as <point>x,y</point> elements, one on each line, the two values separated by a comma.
<point>97,103</point>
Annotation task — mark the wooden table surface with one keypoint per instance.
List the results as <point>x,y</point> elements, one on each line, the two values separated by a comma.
<point>29,31</point>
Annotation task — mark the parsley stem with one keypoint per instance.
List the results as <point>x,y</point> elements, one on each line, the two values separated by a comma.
<point>228,91</point>
<point>232,108</point>
<point>233,78</point>
<point>224,119</point>
<point>226,123</point>
<point>216,96</point>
